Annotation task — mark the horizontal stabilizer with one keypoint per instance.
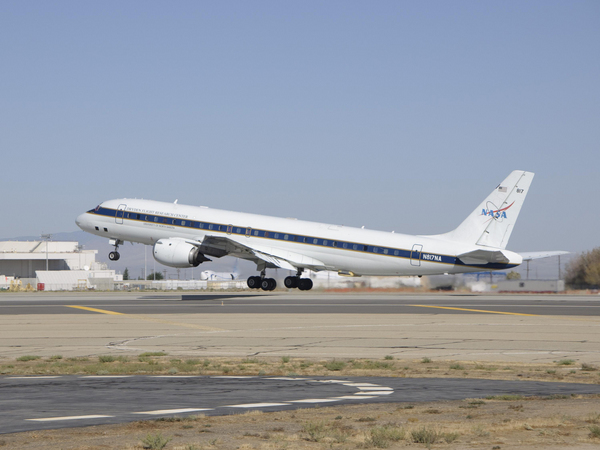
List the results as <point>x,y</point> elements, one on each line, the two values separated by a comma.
<point>489,256</point>
<point>528,256</point>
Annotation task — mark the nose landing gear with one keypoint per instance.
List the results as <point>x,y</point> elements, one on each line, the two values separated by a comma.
<point>114,256</point>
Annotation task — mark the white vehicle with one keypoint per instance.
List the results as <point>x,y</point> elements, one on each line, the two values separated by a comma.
<point>184,236</point>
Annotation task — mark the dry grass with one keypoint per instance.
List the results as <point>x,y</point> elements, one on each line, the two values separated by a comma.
<point>548,424</point>
<point>160,363</point>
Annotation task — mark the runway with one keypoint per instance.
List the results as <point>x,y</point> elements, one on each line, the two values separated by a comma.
<point>287,303</point>
<point>69,401</point>
<point>499,328</point>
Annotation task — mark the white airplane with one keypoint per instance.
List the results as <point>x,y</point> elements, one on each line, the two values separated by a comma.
<point>183,236</point>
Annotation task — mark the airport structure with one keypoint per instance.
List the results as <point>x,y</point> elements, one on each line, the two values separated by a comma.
<point>52,265</point>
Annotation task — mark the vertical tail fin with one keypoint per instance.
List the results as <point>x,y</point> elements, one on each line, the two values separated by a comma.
<point>491,224</point>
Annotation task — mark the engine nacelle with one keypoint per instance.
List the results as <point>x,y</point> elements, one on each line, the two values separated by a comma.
<point>175,252</point>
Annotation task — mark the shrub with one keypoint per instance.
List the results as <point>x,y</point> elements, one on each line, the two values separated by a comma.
<point>566,362</point>
<point>380,437</point>
<point>155,441</point>
<point>28,358</point>
<point>335,366</point>
<point>315,431</point>
<point>425,435</point>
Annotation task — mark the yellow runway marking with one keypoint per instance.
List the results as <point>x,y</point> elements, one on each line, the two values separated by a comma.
<point>147,319</point>
<point>476,310</point>
<point>103,311</point>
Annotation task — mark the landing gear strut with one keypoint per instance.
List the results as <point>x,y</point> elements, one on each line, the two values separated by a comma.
<point>114,256</point>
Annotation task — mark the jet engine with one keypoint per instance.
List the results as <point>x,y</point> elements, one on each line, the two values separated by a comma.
<point>178,253</point>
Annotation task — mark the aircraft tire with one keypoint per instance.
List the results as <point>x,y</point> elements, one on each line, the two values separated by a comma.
<point>114,256</point>
<point>253,282</point>
<point>305,284</point>
<point>268,284</point>
<point>291,282</point>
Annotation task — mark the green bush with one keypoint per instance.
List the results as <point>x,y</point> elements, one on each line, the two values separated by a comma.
<point>28,358</point>
<point>155,441</point>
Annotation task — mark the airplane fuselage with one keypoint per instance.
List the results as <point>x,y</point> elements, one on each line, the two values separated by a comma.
<point>348,250</point>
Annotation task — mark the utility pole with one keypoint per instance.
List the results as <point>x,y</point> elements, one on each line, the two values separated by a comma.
<point>559,267</point>
<point>46,237</point>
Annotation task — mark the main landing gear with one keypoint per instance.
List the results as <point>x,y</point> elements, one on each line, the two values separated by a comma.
<point>304,284</point>
<point>114,256</point>
<point>266,284</point>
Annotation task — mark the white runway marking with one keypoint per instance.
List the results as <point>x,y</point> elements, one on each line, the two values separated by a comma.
<point>232,377</point>
<point>174,376</point>
<point>374,388</point>
<point>173,411</point>
<point>106,376</point>
<point>49,419</point>
<point>256,405</point>
<point>374,393</point>
<point>354,397</point>
<point>315,400</point>
<point>32,378</point>
<point>286,378</point>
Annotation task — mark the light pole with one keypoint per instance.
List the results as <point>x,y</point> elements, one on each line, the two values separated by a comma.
<point>46,237</point>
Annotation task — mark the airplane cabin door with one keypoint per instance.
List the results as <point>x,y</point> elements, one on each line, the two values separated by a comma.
<point>415,255</point>
<point>120,214</point>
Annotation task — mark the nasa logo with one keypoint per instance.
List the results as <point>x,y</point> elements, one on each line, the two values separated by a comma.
<point>494,213</point>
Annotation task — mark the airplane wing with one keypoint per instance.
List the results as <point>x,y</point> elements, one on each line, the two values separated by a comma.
<point>274,257</point>
<point>528,256</point>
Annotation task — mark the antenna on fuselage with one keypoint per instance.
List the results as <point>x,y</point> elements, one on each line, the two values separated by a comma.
<point>175,202</point>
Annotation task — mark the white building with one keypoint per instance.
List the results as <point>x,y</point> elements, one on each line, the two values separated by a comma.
<point>69,266</point>
<point>21,259</point>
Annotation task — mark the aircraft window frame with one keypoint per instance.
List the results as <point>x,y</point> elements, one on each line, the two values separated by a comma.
<point>396,252</point>
<point>385,251</point>
<point>276,236</point>
<point>286,237</point>
<point>324,242</point>
<point>345,245</point>
<point>255,232</point>
<point>315,241</point>
<point>156,218</point>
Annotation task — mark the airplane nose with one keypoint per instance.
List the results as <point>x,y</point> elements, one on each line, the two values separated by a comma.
<point>81,220</point>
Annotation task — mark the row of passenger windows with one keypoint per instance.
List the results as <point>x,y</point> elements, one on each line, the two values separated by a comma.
<point>230,229</point>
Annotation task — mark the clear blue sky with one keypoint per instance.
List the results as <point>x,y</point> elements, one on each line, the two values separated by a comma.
<point>395,115</point>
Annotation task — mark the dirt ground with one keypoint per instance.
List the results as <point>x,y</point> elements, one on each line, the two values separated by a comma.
<point>509,422</point>
<point>518,423</point>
